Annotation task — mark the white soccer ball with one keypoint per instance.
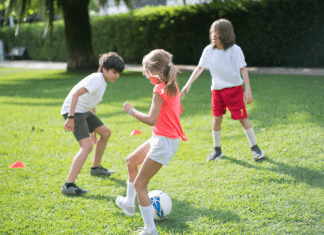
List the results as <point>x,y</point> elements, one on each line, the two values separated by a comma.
<point>162,204</point>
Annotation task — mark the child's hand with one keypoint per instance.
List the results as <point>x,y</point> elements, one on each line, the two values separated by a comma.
<point>185,88</point>
<point>248,97</point>
<point>93,138</point>
<point>127,107</point>
<point>181,108</point>
<point>69,124</point>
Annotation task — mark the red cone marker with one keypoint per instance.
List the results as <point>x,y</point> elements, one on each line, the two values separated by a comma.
<point>17,164</point>
<point>135,132</point>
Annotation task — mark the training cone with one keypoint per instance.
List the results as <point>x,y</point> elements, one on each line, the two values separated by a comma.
<point>17,164</point>
<point>135,132</point>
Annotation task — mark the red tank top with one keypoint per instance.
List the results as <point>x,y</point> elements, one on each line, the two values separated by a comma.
<point>168,124</point>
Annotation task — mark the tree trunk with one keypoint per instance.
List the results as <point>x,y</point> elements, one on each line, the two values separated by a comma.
<point>78,36</point>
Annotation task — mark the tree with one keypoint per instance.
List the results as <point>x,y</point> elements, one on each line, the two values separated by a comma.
<point>77,26</point>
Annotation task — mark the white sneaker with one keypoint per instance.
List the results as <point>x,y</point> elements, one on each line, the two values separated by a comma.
<point>128,210</point>
<point>145,232</point>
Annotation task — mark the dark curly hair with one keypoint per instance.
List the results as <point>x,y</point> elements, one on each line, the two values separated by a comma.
<point>111,60</point>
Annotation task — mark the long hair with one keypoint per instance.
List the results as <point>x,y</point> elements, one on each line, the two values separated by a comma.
<point>226,33</point>
<point>111,60</point>
<point>159,63</point>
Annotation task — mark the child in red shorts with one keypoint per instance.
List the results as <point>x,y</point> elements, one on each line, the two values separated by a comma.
<point>226,62</point>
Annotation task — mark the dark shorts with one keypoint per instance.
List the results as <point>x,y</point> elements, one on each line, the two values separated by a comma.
<point>84,124</point>
<point>231,98</point>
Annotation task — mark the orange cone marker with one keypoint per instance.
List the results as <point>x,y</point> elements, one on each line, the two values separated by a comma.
<point>17,164</point>
<point>135,132</point>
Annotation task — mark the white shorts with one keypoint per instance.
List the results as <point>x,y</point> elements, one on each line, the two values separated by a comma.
<point>162,149</point>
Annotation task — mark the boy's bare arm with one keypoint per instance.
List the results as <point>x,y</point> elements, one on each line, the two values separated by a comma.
<point>248,93</point>
<point>195,74</point>
<point>75,98</point>
<point>69,123</point>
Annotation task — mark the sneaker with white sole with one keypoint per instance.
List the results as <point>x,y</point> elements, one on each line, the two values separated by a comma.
<point>73,190</point>
<point>100,171</point>
<point>145,232</point>
<point>257,153</point>
<point>217,154</point>
<point>128,210</point>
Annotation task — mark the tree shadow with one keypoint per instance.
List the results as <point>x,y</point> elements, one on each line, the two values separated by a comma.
<point>58,85</point>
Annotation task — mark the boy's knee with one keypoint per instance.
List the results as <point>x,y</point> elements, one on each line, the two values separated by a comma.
<point>86,146</point>
<point>106,134</point>
<point>218,119</point>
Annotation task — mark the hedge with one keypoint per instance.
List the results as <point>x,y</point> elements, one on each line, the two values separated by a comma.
<point>270,33</point>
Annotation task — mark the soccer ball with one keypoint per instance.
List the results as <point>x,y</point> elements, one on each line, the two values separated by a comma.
<point>161,203</point>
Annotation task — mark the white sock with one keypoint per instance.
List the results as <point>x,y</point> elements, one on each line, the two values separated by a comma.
<point>217,138</point>
<point>147,214</point>
<point>251,136</point>
<point>131,194</point>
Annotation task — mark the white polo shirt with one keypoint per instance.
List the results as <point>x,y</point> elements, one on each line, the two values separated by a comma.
<point>224,66</point>
<point>96,86</point>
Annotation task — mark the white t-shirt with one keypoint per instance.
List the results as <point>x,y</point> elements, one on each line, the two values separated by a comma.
<point>96,86</point>
<point>224,66</point>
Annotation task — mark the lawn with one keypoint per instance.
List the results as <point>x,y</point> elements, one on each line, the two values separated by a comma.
<point>282,194</point>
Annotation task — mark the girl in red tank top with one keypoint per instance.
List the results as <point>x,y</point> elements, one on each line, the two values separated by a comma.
<point>164,117</point>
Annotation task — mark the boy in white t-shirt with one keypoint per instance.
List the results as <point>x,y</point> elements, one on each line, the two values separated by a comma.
<point>79,112</point>
<point>226,62</point>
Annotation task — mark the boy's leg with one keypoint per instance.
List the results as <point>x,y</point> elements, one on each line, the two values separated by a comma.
<point>217,121</point>
<point>219,109</point>
<point>79,159</point>
<point>104,134</point>
<point>147,171</point>
<point>249,132</point>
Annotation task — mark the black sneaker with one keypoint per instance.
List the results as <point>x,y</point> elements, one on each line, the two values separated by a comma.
<point>73,190</point>
<point>257,153</point>
<point>101,171</point>
<point>217,154</point>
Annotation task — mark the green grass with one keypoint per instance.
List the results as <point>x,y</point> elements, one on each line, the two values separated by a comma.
<point>282,194</point>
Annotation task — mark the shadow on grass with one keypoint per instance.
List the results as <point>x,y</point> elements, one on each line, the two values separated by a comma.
<point>299,174</point>
<point>130,86</point>
<point>183,213</point>
<point>282,99</point>
<point>112,178</point>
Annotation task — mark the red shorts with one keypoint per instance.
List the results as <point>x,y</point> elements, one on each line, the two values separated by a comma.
<point>231,98</point>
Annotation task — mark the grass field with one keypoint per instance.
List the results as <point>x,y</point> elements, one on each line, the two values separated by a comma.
<point>283,194</point>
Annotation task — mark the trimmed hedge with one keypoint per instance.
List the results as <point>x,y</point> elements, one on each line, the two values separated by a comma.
<point>270,33</point>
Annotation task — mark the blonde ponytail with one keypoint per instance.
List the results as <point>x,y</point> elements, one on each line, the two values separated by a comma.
<point>159,63</point>
<point>171,87</point>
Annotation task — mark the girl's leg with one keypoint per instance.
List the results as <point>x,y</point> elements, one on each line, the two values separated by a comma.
<point>133,161</point>
<point>79,159</point>
<point>104,134</point>
<point>147,171</point>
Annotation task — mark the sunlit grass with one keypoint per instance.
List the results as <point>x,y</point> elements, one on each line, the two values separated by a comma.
<point>282,194</point>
